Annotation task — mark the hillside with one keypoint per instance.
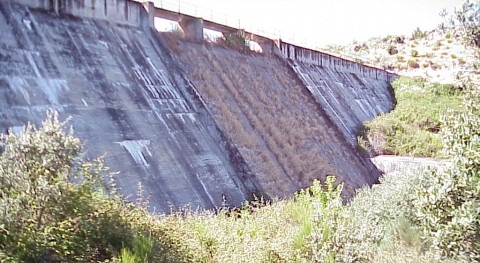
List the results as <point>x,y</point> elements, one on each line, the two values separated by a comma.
<point>438,55</point>
<point>433,66</point>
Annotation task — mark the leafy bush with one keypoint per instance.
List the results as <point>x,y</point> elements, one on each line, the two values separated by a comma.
<point>467,17</point>
<point>443,224</point>
<point>392,50</point>
<point>328,208</point>
<point>413,64</point>
<point>44,216</point>
<point>418,34</point>
<point>414,53</point>
<point>448,209</point>
<point>237,41</point>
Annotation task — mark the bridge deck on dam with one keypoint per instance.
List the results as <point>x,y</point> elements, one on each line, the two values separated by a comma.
<point>116,83</point>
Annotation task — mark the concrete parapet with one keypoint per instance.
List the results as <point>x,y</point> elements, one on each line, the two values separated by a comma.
<point>309,56</point>
<point>192,27</point>
<point>150,7</point>
<point>118,11</point>
<point>268,45</point>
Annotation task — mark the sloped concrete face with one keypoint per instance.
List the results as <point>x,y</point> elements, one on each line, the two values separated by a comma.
<point>282,132</point>
<point>390,164</point>
<point>350,93</point>
<point>114,80</point>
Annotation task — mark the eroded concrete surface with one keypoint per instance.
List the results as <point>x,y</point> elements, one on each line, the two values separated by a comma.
<point>350,93</point>
<point>284,134</point>
<point>114,80</point>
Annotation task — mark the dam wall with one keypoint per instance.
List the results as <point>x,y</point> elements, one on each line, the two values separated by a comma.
<point>126,100</point>
<point>194,123</point>
<point>349,92</point>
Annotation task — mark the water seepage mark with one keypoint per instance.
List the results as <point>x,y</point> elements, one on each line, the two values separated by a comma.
<point>16,129</point>
<point>53,89</point>
<point>28,23</point>
<point>19,86</point>
<point>32,63</point>
<point>136,149</point>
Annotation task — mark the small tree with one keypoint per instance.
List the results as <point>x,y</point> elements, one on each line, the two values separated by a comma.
<point>53,204</point>
<point>449,209</point>
<point>468,19</point>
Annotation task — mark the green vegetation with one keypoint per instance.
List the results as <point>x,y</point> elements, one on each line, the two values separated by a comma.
<point>47,218</point>
<point>467,18</point>
<point>418,34</point>
<point>238,41</point>
<point>392,50</point>
<point>413,64</point>
<point>412,127</point>
<point>56,207</point>
<point>44,216</point>
<point>448,208</point>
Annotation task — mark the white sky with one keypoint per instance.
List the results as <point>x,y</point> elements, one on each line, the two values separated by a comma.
<point>319,22</point>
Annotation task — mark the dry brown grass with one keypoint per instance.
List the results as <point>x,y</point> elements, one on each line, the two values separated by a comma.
<point>274,121</point>
<point>172,39</point>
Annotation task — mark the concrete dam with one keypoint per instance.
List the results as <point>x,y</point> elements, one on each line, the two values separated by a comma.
<point>195,123</point>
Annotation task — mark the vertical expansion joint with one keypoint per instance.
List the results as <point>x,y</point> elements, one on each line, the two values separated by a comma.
<point>126,10</point>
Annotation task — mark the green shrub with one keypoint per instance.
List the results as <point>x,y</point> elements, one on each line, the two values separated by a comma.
<point>414,53</point>
<point>392,50</point>
<point>413,64</point>
<point>328,208</point>
<point>237,41</point>
<point>141,252</point>
<point>412,127</point>
<point>467,19</point>
<point>46,217</point>
<point>448,209</point>
<point>419,34</point>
